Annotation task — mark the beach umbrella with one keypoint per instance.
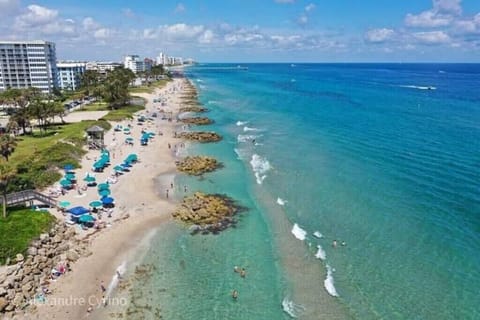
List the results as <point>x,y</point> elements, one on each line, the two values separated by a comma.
<point>89,179</point>
<point>95,204</point>
<point>68,167</point>
<point>65,183</point>
<point>145,136</point>
<point>98,165</point>
<point>63,204</point>
<point>103,186</point>
<point>104,192</point>
<point>70,176</point>
<point>78,211</point>
<point>131,157</point>
<point>86,218</point>
<point>118,168</point>
<point>126,164</point>
<point>107,200</point>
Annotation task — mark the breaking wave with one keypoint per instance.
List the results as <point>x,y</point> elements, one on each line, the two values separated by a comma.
<point>260,167</point>
<point>298,232</point>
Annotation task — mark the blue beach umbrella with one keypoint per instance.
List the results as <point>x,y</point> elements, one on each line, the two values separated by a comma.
<point>78,211</point>
<point>68,167</point>
<point>107,200</point>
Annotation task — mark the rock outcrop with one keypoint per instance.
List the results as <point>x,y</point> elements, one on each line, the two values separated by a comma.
<point>193,108</point>
<point>24,280</point>
<point>199,121</point>
<point>198,165</point>
<point>200,136</point>
<point>207,213</point>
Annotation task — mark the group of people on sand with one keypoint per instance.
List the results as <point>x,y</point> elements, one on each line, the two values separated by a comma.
<point>242,273</point>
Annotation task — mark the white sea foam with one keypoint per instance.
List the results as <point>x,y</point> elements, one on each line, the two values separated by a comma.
<point>260,167</point>
<point>250,129</point>
<point>419,87</point>
<point>115,279</point>
<point>199,80</point>
<point>328,283</point>
<point>241,123</point>
<point>291,308</point>
<point>281,202</point>
<point>298,232</point>
<point>317,234</point>
<point>247,137</point>
<point>320,253</point>
<point>212,102</point>
<point>241,154</point>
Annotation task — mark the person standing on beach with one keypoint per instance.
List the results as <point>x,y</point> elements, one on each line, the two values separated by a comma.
<point>167,193</point>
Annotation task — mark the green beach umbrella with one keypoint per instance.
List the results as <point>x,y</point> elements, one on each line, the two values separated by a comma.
<point>95,204</point>
<point>63,204</point>
<point>70,176</point>
<point>65,182</point>
<point>104,192</point>
<point>118,168</point>
<point>103,186</point>
<point>86,218</point>
<point>129,139</point>
<point>89,179</point>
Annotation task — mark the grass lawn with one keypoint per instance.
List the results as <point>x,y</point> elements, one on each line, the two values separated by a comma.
<point>96,106</point>
<point>38,157</point>
<point>21,226</point>
<point>123,113</point>
<point>149,88</point>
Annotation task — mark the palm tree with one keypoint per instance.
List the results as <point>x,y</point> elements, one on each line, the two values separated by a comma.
<point>7,173</point>
<point>7,145</point>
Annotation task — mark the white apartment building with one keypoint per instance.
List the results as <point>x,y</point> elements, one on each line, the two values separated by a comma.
<point>162,59</point>
<point>102,66</point>
<point>134,63</point>
<point>26,64</point>
<point>70,74</point>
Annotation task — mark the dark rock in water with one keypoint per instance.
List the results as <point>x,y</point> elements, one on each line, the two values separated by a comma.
<point>208,212</point>
<point>201,121</point>
<point>198,165</point>
<point>200,136</point>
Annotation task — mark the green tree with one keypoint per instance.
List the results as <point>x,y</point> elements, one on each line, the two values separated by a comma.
<point>7,173</point>
<point>157,71</point>
<point>90,82</point>
<point>20,99</point>
<point>7,145</point>
<point>115,87</point>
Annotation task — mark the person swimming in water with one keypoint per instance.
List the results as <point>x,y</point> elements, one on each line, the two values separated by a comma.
<point>243,273</point>
<point>235,294</point>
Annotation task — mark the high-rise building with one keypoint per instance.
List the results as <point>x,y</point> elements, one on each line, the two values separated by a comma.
<point>70,74</point>
<point>162,59</point>
<point>26,64</point>
<point>134,63</point>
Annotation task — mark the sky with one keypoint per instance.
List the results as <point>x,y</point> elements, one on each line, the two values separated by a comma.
<point>251,30</point>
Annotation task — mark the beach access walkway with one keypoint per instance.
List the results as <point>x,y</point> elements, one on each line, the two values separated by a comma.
<point>28,196</point>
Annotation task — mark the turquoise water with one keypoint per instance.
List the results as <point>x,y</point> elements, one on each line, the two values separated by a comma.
<point>382,157</point>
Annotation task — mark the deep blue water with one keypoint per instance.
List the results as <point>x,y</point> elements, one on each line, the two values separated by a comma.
<point>382,157</point>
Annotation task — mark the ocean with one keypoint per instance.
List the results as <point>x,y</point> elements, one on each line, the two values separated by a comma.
<point>362,184</point>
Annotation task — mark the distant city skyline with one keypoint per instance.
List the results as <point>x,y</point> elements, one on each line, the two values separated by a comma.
<point>252,31</point>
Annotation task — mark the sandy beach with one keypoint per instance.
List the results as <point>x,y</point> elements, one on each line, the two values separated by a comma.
<point>140,206</point>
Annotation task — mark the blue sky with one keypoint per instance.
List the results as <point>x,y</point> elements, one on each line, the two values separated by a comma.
<point>252,31</point>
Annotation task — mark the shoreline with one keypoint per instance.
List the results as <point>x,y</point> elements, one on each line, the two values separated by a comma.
<point>141,207</point>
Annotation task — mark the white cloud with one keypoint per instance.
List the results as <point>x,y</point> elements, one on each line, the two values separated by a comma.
<point>428,19</point>
<point>180,8</point>
<point>207,37</point>
<point>35,16</point>
<point>379,35</point>
<point>310,7</point>
<point>89,24</point>
<point>103,33</point>
<point>448,6</point>
<point>432,37</point>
